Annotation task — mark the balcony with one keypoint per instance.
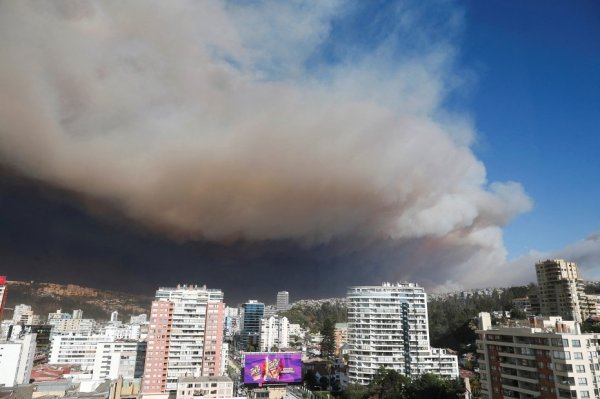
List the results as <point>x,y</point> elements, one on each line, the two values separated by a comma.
<point>519,366</point>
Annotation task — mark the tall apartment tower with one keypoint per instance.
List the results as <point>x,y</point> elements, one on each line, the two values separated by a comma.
<point>283,300</point>
<point>544,358</point>
<point>560,290</point>
<point>274,332</point>
<point>253,313</point>
<point>387,327</point>
<point>185,337</point>
<point>2,294</point>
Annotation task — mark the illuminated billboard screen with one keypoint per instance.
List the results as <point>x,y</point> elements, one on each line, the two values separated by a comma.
<point>273,368</point>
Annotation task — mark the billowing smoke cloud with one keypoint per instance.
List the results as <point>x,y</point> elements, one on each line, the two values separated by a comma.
<point>586,253</point>
<point>215,121</point>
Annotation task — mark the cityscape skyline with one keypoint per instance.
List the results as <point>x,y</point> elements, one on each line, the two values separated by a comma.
<point>386,199</point>
<point>193,345</point>
<point>399,153</point>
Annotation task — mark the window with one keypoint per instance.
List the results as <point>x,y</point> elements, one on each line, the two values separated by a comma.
<point>563,355</point>
<point>580,368</point>
<point>582,381</point>
<point>577,355</point>
<point>576,343</point>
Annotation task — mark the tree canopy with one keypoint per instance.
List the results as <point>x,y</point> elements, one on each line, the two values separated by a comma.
<point>389,384</point>
<point>328,339</point>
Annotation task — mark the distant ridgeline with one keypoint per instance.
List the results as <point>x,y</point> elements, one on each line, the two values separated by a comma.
<point>46,298</point>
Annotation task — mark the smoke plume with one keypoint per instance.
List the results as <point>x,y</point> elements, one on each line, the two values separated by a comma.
<point>217,121</point>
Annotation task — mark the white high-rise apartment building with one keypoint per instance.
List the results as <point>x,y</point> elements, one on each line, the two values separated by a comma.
<point>283,300</point>
<point>388,327</point>
<point>185,337</point>
<point>561,290</point>
<point>274,332</point>
<point>16,360</point>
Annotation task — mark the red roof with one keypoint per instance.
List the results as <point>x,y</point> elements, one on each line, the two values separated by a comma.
<point>46,372</point>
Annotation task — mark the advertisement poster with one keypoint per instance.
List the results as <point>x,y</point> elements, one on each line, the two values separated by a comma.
<point>273,367</point>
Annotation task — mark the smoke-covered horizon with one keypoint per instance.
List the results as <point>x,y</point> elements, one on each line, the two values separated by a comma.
<point>222,122</point>
<point>48,237</point>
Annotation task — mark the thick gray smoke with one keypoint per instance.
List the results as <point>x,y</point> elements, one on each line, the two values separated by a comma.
<point>201,120</point>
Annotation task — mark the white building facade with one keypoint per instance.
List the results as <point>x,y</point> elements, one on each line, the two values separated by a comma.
<point>122,358</point>
<point>274,332</point>
<point>64,323</point>
<point>16,360</point>
<point>128,332</point>
<point>388,327</point>
<point>548,358</point>
<point>22,314</point>
<point>75,349</point>
<point>204,387</point>
<point>561,290</point>
<point>283,300</point>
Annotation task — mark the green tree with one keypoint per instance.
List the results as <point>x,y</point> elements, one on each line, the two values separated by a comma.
<point>313,317</point>
<point>388,384</point>
<point>355,392</point>
<point>475,385</point>
<point>328,342</point>
<point>432,386</point>
<point>517,314</point>
<point>590,327</point>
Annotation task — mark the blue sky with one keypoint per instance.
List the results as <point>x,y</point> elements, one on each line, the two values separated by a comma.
<point>530,82</point>
<point>536,106</point>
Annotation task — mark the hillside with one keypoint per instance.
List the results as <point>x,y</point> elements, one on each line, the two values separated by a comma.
<point>311,314</point>
<point>45,298</point>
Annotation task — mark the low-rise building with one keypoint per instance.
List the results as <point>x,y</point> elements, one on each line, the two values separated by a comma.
<point>119,358</point>
<point>75,349</point>
<point>341,336</point>
<point>441,362</point>
<point>295,330</point>
<point>204,387</point>
<point>522,304</point>
<point>131,332</point>
<point>139,319</point>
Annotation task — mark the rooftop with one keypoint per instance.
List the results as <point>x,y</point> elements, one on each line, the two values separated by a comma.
<point>221,378</point>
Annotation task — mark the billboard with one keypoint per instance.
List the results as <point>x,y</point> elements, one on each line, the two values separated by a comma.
<point>273,368</point>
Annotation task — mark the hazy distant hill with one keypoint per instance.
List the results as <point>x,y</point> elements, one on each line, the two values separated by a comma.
<point>45,298</point>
